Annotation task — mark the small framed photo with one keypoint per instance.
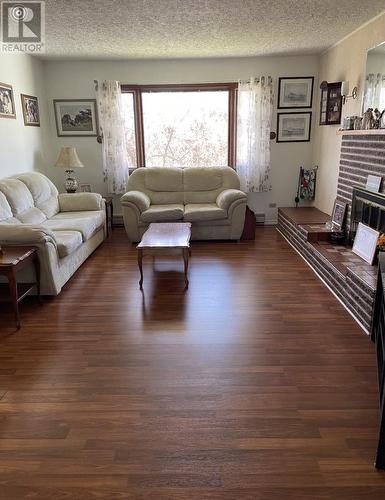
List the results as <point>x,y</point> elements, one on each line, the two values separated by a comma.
<point>30,108</point>
<point>338,215</point>
<point>76,117</point>
<point>373,183</point>
<point>7,101</point>
<point>295,92</point>
<point>365,242</point>
<point>293,127</point>
<point>85,188</point>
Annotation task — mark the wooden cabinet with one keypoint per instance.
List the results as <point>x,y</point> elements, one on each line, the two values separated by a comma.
<point>331,103</point>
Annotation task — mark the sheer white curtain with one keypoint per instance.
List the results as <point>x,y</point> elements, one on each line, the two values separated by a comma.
<point>375,91</point>
<point>111,122</point>
<point>255,106</point>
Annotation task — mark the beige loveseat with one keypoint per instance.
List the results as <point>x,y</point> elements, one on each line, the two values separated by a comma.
<point>66,228</point>
<point>209,198</point>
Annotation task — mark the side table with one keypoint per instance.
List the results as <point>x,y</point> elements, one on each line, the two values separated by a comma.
<point>109,214</point>
<point>12,259</point>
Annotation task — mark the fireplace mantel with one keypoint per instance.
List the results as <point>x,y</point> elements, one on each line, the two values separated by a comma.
<point>378,131</point>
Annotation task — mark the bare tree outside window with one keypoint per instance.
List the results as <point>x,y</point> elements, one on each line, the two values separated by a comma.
<point>129,119</point>
<point>186,129</point>
<point>180,129</point>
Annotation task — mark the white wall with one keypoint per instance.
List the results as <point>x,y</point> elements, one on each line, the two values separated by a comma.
<point>23,148</point>
<point>345,61</point>
<point>71,80</point>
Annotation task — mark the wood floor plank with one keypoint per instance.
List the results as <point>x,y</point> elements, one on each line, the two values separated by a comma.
<point>255,384</point>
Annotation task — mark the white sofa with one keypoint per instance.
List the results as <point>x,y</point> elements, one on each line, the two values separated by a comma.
<point>209,198</point>
<point>66,228</point>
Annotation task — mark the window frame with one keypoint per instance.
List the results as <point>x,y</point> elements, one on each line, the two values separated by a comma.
<point>137,91</point>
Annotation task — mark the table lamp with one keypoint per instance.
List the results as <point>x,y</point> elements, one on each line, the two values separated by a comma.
<point>68,159</point>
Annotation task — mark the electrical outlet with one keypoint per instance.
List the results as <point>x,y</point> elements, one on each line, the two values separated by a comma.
<point>272,205</point>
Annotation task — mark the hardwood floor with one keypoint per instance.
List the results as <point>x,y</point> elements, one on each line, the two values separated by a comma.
<point>254,384</point>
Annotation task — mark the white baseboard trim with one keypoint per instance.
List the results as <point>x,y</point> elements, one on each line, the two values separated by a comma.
<point>324,282</point>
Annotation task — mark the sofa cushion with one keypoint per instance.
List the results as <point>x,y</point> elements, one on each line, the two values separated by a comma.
<point>44,192</point>
<point>202,179</point>
<point>87,223</point>
<point>164,179</point>
<point>5,208</point>
<point>161,213</point>
<point>67,242</point>
<point>32,216</point>
<point>98,215</point>
<point>203,211</point>
<point>18,195</point>
<point>11,220</point>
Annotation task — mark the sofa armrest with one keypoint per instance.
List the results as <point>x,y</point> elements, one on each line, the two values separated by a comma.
<point>25,234</point>
<point>227,197</point>
<point>139,199</point>
<point>75,202</point>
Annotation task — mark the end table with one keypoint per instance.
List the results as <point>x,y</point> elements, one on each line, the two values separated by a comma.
<point>12,259</point>
<point>109,213</point>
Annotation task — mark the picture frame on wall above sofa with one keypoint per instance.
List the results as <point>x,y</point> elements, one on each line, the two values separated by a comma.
<point>7,101</point>
<point>30,107</point>
<point>295,92</point>
<point>294,127</point>
<point>76,117</point>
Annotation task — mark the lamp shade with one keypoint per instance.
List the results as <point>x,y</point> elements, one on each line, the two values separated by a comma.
<point>68,159</point>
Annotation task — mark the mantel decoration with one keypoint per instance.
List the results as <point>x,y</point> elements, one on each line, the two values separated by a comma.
<point>76,117</point>
<point>68,159</point>
<point>7,102</point>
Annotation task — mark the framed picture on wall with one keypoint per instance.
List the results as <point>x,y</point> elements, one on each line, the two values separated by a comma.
<point>85,188</point>
<point>7,101</point>
<point>30,108</point>
<point>293,127</point>
<point>76,117</point>
<point>295,92</point>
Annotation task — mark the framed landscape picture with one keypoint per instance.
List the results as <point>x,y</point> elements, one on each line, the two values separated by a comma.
<point>7,102</point>
<point>30,108</point>
<point>76,117</point>
<point>295,92</point>
<point>293,127</point>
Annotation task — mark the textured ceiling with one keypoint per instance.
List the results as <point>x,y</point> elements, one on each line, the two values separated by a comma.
<point>140,29</point>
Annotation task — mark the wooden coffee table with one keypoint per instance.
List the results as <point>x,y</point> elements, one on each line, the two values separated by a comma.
<point>165,238</point>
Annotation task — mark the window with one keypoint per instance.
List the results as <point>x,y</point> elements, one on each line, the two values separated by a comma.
<point>180,126</point>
